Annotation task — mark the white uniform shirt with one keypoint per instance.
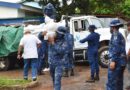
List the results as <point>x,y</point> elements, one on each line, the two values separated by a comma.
<point>128,43</point>
<point>29,42</point>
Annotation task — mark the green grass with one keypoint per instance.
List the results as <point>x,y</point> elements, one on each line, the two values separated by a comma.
<point>11,82</point>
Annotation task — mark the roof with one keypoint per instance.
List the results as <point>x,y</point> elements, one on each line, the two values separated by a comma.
<point>20,6</point>
<point>33,4</point>
<point>10,5</point>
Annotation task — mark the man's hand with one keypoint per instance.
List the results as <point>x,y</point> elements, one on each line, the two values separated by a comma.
<point>19,57</point>
<point>51,40</point>
<point>129,52</point>
<point>112,65</point>
<point>44,33</point>
<point>128,55</point>
<point>19,51</point>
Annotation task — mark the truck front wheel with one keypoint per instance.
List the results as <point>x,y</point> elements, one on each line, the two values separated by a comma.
<point>103,56</point>
<point>4,64</point>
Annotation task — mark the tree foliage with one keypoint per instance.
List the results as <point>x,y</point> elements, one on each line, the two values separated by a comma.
<point>118,7</point>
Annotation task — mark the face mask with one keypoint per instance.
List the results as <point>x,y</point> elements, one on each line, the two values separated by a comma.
<point>91,31</point>
<point>115,32</point>
<point>112,30</point>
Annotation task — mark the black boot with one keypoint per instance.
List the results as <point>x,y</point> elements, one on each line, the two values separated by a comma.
<point>40,73</point>
<point>66,74</point>
<point>72,72</point>
<point>25,78</point>
<point>97,78</point>
<point>90,80</point>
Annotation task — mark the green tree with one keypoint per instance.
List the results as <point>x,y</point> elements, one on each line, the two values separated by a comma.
<point>83,6</point>
<point>126,9</point>
<point>107,6</point>
<point>117,7</point>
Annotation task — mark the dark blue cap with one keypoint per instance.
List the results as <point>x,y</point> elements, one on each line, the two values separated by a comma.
<point>92,27</point>
<point>61,30</point>
<point>40,36</point>
<point>115,23</point>
<point>49,6</point>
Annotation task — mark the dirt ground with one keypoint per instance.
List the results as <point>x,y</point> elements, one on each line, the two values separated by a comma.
<point>72,83</point>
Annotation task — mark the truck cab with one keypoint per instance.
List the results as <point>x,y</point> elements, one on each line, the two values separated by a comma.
<point>79,29</point>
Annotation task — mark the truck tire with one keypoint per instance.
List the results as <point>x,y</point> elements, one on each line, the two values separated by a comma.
<point>103,56</point>
<point>20,63</point>
<point>12,61</point>
<point>4,64</point>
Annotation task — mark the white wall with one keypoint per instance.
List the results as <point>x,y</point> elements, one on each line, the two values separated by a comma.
<point>6,12</point>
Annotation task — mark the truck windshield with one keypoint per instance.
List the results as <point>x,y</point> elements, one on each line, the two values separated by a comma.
<point>97,23</point>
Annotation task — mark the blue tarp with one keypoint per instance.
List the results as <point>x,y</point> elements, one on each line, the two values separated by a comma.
<point>18,20</point>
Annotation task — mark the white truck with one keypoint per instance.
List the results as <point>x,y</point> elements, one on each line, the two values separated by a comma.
<point>79,28</point>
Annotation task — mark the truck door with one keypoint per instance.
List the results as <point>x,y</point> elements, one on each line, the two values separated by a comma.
<point>80,31</point>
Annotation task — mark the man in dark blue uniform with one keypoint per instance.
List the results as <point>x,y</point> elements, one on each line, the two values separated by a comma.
<point>58,49</point>
<point>50,11</point>
<point>92,51</point>
<point>69,64</point>
<point>117,56</point>
<point>42,53</point>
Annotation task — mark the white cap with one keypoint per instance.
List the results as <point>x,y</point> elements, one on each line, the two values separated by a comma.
<point>26,29</point>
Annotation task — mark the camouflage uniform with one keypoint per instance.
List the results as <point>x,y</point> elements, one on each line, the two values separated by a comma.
<point>56,58</point>
<point>70,41</point>
<point>117,55</point>
<point>42,53</point>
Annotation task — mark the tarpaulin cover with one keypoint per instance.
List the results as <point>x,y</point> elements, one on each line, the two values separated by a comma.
<point>9,39</point>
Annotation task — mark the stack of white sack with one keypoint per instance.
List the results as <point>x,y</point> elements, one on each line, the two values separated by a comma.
<point>35,29</point>
<point>49,26</point>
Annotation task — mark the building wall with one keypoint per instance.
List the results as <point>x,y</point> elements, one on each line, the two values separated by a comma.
<point>106,21</point>
<point>8,12</point>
